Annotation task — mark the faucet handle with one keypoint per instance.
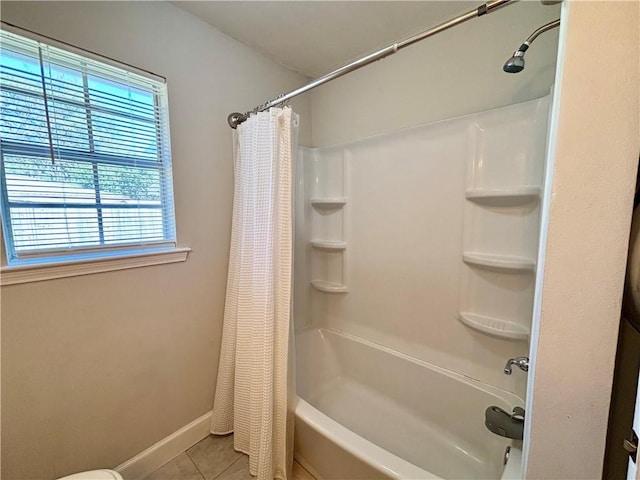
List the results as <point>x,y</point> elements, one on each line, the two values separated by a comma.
<point>518,414</point>
<point>521,362</point>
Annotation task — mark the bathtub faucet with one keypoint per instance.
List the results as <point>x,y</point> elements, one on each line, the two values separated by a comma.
<point>509,425</point>
<point>521,362</point>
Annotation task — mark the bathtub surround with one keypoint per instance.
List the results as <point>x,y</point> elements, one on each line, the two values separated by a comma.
<point>425,240</point>
<point>96,369</point>
<point>255,394</point>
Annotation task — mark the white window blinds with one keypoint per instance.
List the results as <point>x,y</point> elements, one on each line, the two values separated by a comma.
<point>86,164</point>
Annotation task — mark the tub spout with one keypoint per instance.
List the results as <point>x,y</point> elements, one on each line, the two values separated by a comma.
<point>521,362</point>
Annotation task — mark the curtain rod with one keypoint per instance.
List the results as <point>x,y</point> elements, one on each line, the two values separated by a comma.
<point>237,118</point>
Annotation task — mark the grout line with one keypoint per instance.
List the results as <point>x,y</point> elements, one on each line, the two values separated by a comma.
<point>230,465</point>
<point>194,464</point>
<point>193,461</point>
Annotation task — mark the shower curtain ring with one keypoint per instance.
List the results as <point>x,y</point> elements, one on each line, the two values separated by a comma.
<point>283,103</point>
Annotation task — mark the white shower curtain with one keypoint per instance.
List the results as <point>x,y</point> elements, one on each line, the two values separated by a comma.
<point>254,392</point>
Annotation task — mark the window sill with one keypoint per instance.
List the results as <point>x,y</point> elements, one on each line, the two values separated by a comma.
<point>13,275</point>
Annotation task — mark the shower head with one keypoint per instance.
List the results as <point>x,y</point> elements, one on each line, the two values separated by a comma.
<point>515,64</point>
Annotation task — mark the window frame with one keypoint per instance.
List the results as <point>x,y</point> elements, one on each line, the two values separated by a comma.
<point>98,257</point>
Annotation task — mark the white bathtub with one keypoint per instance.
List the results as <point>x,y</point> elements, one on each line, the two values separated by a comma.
<point>365,412</point>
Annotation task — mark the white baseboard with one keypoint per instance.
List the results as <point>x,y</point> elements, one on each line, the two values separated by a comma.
<point>165,450</point>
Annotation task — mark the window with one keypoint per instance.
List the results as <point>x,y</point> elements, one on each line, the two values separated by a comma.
<point>85,156</point>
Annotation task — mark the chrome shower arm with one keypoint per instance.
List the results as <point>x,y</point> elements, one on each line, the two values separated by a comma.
<point>541,30</point>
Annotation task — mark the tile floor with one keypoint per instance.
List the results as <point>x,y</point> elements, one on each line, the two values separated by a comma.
<point>214,458</point>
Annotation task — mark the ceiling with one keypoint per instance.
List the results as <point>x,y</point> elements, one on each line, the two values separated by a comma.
<point>315,37</point>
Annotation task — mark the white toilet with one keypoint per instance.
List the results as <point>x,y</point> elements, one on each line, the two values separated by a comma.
<point>94,475</point>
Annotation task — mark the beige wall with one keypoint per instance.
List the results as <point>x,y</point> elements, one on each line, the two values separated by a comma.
<point>454,73</point>
<point>594,155</point>
<point>97,368</point>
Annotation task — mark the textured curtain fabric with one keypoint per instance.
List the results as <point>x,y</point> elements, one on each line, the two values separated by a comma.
<point>254,391</point>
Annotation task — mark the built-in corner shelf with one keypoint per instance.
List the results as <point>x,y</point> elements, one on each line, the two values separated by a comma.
<point>494,326</point>
<point>329,287</point>
<point>329,203</point>
<point>506,263</point>
<point>504,197</point>
<point>329,245</point>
